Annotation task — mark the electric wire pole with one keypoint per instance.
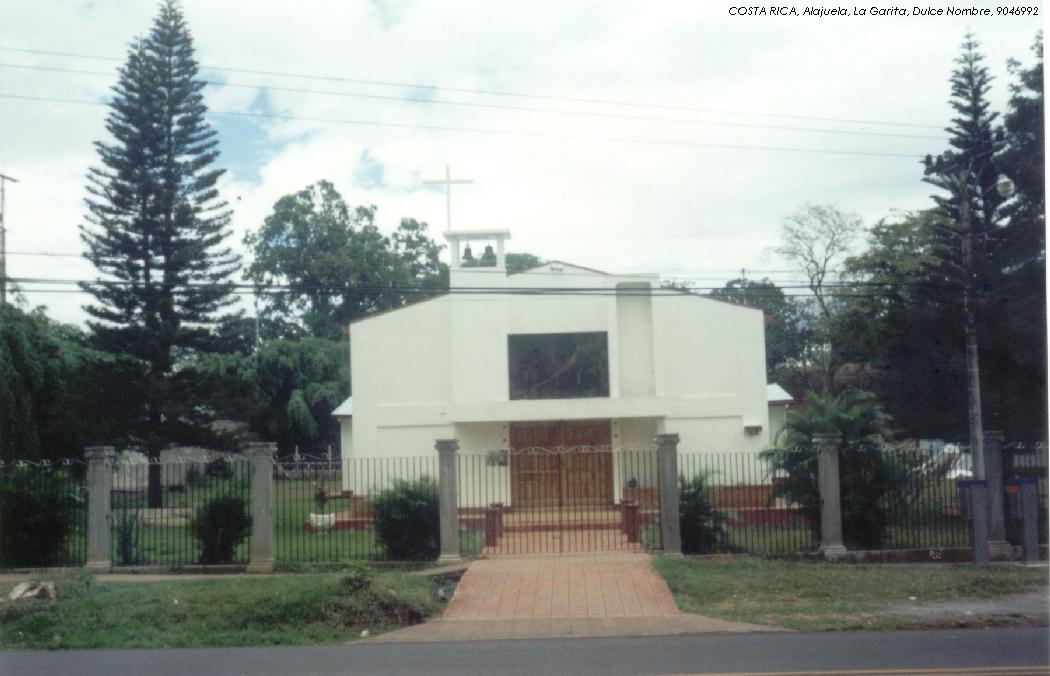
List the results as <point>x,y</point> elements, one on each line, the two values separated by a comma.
<point>3,239</point>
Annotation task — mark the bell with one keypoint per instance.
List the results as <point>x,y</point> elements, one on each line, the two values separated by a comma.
<point>489,257</point>
<point>467,255</point>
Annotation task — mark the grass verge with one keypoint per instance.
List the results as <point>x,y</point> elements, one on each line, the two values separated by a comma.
<point>318,608</point>
<point>818,596</point>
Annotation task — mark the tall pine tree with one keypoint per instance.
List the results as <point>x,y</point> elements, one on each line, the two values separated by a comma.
<point>156,224</point>
<point>968,240</point>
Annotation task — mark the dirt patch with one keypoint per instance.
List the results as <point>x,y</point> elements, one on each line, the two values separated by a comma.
<point>1031,609</point>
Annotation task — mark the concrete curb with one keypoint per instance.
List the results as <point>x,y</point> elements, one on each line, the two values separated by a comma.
<point>448,631</point>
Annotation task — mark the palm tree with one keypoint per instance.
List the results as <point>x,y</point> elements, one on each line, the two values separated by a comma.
<point>870,480</point>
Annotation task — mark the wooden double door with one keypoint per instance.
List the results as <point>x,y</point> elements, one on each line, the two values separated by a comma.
<point>563,463</point>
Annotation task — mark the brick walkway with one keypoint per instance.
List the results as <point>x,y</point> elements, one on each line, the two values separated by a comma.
<point>597,585</point>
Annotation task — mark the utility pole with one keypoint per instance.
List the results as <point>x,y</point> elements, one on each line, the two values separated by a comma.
<point>973,368</point>
<point>3,239</point>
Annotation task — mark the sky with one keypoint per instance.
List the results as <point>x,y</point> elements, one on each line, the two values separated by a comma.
<point>666,137</point>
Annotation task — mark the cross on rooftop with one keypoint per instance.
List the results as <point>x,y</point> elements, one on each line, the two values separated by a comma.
<point>447,182</point>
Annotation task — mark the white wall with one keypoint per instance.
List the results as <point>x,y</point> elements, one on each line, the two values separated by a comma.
<point>438,369</point>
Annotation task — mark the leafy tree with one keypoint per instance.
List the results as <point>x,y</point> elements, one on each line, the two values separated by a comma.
<point>869,479</point>
<point>785,335</point>
<point>420,265</point>
<point>516,262</point>
<point>37,514</point>
<point>1024,159</point>
<point>899,326</point>
<point>1013,335</point>
<point>245,334</point>
<point>520,262</point>
<point>286,390</point>
<point>57,394</point>
<point>156,224</point>
<point>338,264</point>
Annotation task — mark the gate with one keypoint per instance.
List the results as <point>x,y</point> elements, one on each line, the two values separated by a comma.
<point>561,487</point>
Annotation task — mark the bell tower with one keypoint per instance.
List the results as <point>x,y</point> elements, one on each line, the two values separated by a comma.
<point>466,257</point>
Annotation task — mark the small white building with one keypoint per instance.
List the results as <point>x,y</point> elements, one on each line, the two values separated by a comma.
<point>558,355</point>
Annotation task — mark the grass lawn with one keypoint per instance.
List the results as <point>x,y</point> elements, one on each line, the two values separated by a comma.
<point>821,596</point>
<point>289,609</point>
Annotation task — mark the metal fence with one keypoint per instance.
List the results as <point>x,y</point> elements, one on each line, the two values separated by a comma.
<point>526,501</point>
<point>900,497</point>
<point>558,500</point>
<point>324,510</point>
<point>163,534</point>
<point>43,514</point>
<point>750,515</point>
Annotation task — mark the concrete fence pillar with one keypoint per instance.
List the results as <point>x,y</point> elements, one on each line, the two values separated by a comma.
<point>998,548</point>
<point>448,500</point>
<point>261,456</point>
<point>667,481</point>
<point>827,446</point>
<point>100,518</point>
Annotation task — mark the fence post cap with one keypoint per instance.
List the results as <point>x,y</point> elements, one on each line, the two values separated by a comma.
<point>672,438</point>
<point>446,445</point>
<point>256,449</point>
<point>99,453</point>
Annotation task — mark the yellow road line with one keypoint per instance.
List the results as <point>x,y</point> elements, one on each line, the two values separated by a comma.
<point>1013,670</point>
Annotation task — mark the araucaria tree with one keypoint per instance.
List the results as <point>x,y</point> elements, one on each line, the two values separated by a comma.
<point>968,172</point>
<point>156,224</point>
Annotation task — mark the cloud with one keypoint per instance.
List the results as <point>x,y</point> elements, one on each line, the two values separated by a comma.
<point>369,172</point>
<point>688,181</point>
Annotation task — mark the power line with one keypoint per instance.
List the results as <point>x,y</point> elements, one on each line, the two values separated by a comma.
<point>496,106</point>
<point>401,288</point>
<point>501,132</point>
<point>491,92</point>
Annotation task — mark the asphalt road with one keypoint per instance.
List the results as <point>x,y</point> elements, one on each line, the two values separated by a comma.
<point>966,652</point>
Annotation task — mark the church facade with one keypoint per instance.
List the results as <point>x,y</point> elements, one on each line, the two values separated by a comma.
<point>556,357</point>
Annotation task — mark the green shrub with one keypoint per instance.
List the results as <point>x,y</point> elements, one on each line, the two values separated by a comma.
<point>126,521</point>
<point>701,526</point>
<point>407,520</point>
<point>221,525</point>
<point>37,509</point>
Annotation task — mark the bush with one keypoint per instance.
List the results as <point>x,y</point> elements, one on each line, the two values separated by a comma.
<point>407,521</point>
<point>37,509</point>
<point>127,530</point>
<point>221,525</point>
<point>701,525</point>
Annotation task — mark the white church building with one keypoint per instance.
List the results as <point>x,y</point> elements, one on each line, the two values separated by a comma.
<point>555,356</point>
